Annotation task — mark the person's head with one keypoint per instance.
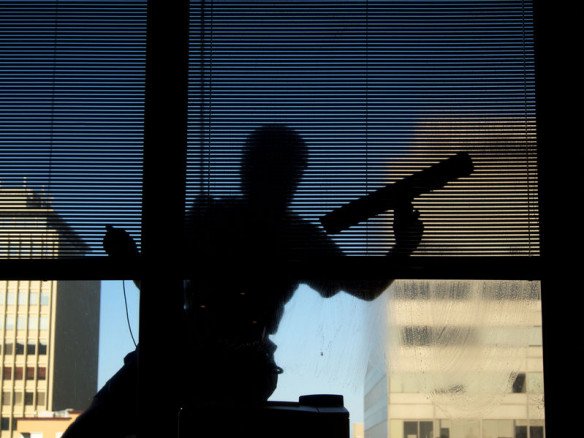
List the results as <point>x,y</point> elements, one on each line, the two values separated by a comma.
<point>274,159</point>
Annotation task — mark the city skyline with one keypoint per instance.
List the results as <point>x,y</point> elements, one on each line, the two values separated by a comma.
<point>48,328</point>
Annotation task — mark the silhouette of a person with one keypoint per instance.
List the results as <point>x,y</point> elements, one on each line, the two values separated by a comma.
<point>231,316</point>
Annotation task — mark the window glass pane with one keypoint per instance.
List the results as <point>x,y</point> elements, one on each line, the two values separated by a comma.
<point>44,322</point>
<point>45,298</point>
<point>41,397</point>
<point>23,294</point>
<point>377,91</point>
<point>470,365</point>
<point>28,398</point>
<point>34,298</point>
<point>33,322</point>
<point>21,321</point>
<point>6,398</point>
<point>71,124</point>
<point>82,340</point>
<point>11,298</point>
<point>9,322</point>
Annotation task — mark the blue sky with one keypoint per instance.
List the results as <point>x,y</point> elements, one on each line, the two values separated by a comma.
<point>321,343</point>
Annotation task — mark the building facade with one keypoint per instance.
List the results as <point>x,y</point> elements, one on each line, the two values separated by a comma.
<point>48,329</point>
<point>46,425</point>
<point>461,360</point>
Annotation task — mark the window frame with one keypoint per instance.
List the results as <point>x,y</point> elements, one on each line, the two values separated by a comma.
<point>557,76</point>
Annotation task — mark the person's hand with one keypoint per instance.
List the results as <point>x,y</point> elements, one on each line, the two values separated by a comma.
<point>118,243</point>
<point>408,229</point>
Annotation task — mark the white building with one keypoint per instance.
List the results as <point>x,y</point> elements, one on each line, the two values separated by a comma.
<point>48,329</point>
<point>461,359</point>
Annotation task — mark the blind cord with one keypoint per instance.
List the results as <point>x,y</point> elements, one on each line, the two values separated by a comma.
<point>127,314</point>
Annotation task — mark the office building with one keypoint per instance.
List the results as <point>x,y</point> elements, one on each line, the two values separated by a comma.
<point>48,329</point>
<point>461,359</point>
<point>46,424</point>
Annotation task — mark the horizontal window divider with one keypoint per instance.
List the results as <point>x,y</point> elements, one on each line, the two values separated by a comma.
<point>343,267</point>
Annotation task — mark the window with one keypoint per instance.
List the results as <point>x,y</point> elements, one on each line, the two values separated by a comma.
<point>33,322</point>
<point>5,423</point>
<point>34,298</point>
<point>18,374</point>
<point>21,322</point>
<point>42,348</point>
<point>519,383</point>
<point>411,95</point>
<point>8,349</point>
<point>6,398</point>
<point>18,398</point>
<point>9,322</point>
<point>44,322</point>
<point>418,429</point>
<point>30,347</point>
<point>41,373</point>
<point>41,398</point>
<point>19,348</point>
<point>22,297</point>
<point>29,398</point>
<point>45,297</point>
<point>11,298</point>
<point>29,373</point>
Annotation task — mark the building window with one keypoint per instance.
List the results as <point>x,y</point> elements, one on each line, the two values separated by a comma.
<point>22,297</point>
<point>44,322</point>
<point>42,348</point>
<point>44,298</point>
<point>5,424</point>
<point>7,373</point>
<point>18,398</point>
<point>11,298</point>
<point>28,398</point>
<point>30,347</point>
<point>41,373</point>
<point>18,373</point>
<point>29,373</point>
<point>21,322</point>
<point>19,348</point>
<point>9,322</point>
<point>8,349</point>
<point>41,399</point>
<point>416,335</point>
<point>34,298</point>
<point>519,384</point>
<point>33,323</point>
<point>6,398</point>
<point>418,429</point>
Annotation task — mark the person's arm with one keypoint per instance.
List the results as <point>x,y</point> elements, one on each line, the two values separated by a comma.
<point>408,230</point>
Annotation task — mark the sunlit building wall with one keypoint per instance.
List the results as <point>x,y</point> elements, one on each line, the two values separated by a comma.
<point>463,360</point>
<point>46,425</point>
<point>48,329</point>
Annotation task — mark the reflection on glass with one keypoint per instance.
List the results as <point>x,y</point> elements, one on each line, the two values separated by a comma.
<point>464,362</point>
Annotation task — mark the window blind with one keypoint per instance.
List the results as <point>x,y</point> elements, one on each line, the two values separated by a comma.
<point>378,90</point>
<point>71,124</point>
